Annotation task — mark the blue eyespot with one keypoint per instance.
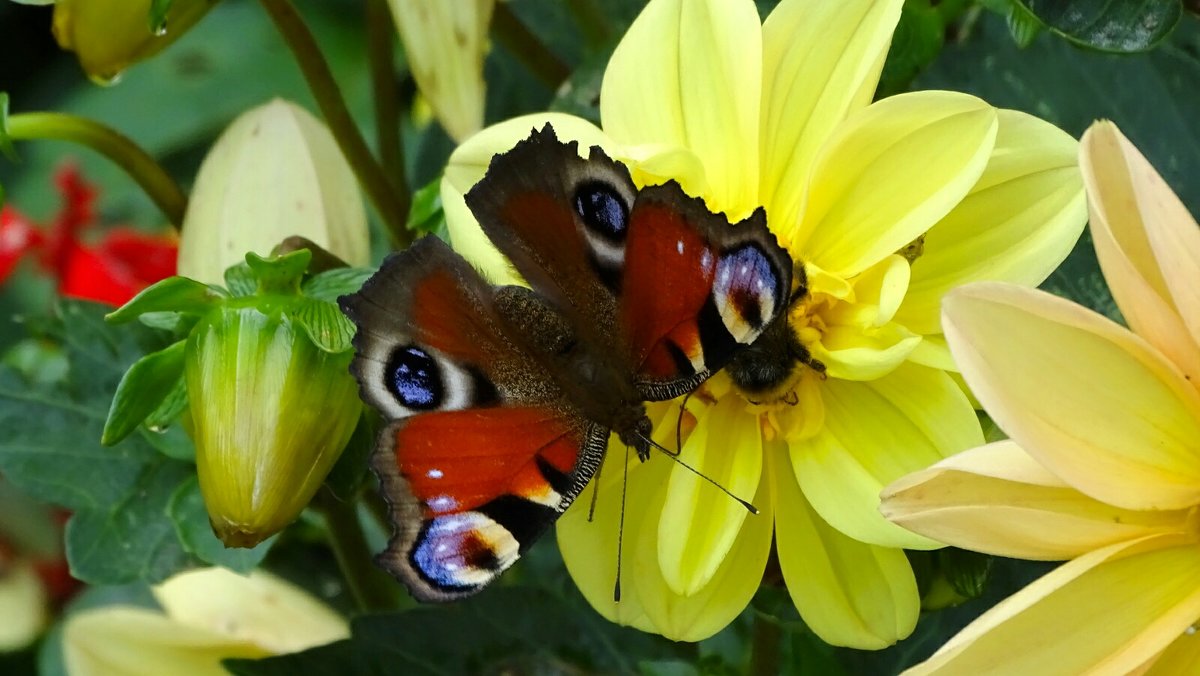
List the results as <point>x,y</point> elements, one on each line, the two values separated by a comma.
<point>415,379</point>
<point>602,210</point>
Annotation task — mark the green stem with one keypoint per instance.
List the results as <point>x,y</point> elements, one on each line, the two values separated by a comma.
<point>381,46</point>
<point>765,646</point>
<point>329,98</point>
<point>117,147</point>
<point>371,588</point>
<point>526,46</point>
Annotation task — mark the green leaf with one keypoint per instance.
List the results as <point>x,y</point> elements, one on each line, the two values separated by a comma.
<point>187,511</point>
<point>157,18</point>
<point>427,215</point>
<point>279,274</point>
<point>488,633</point>
<point>6,145</point>
<point>331,284</point>
<point>50,449</point>
<point>240,280</point>
<point>915,44</point>
<point>1023,24</point>
<point>174,294</point>
<point>325,325</point>
<point>142,391</point>
<point>131,539</point>
<point>1121,26</point>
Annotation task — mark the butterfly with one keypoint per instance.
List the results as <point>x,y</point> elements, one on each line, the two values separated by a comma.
<point>501,399</point>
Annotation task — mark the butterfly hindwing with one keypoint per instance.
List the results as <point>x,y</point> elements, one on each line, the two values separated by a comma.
<point>484,453</point>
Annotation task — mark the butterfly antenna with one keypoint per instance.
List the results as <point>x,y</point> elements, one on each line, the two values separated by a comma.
<point>595,491</point>
<point>674,456</point>
<point>679,424</point>
<point>621,528</point>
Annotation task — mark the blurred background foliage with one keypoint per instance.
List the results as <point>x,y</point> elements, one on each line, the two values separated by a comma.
<point>1067,61</point>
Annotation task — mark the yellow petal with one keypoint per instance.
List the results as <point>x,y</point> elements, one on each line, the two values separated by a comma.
<point>1017,224</point>
<point>852,353</point>
<point>998,500</point>
<point>259,608</point>
<point>1147,243</point>
<point>878,292</point>
<point>1181,658</point>
<point>821,62</point>
<point>1106,612</point>
<point>1087,398</point>
<point>470,161</point>
<point>700,523</point>
<point>688,73</point>
<point>274,172</point>
<point>445,43</point>
<point>22,605</point>
<point>140,642</point>
<point>889,173</point>
<point>933,352</point>
<point>848,592</point>
<point>875,433</point>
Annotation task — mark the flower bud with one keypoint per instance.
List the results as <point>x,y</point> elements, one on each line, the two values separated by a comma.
<point>275,172</point>
<point>110,35</point>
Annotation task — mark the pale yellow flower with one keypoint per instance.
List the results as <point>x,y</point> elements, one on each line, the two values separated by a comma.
<point>446,43</point>
<point>779,115</point>
<point>1103,465</point>
<point>207,616</point>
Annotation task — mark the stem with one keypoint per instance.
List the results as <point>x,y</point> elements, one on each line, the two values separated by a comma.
<point>381,41</point>
<point>150,175</point>
<point>371,588</point>
<point>765,646</point>
<point>329,98</point>
<point>524,45</point>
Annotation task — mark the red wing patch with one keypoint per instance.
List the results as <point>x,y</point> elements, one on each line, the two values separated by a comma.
<point>448,319</point>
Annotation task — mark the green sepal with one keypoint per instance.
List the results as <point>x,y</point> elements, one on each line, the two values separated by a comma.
<point>279,274</point>
<point>6,145</point>
<point>174,294</point>
<point>967,572</point>
<point>239,280</point>
<point>325,325</point>
<point>427,215</point>
<point>157,17</point>
<point>142,390</point>
<point>331,284</point>
<point>170,409</point>
<point>1023,25</point>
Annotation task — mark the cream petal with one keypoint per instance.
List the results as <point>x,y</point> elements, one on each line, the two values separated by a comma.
<point>725,446</point>
<point>470,161</point>
<point>260,608</point>
<point>821,62</point>
<point>23,605</point>
<point>1087,398</point>
<point>875,433</point>
<point>998,500</point>
<point>889,173</point>
<point>1147,243</point>
<point>848,592</point>
<point>1017,224</point>
<point>139,642</point>
<point>710,107</point>
<point>1108,611</point>
<point>1181,658</point>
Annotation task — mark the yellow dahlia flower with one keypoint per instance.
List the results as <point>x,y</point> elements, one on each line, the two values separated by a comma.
<point>887,205</point>
<point>1103,465</point>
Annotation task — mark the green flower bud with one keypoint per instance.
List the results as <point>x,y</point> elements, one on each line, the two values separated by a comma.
<point>274,172</point>
<point>108,36</point>
<point>270,399</point>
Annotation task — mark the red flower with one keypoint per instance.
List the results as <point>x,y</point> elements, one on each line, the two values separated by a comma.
<point>111,270</point>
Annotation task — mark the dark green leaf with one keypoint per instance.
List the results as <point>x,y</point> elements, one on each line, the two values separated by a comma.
<point>157,19</point>
<point>484,634</point>
<point>174,294</point>
<point>240,280</point>
<point>6,145</point>
<point>426,215</point>
<point>1109,25</point>
<point>279,274</point>
<point>186,509</point>
<point>916,42</point>
<point>143,389</point>
<point>1023,24</point>
<point>325,325</point>
<point>330,284</point>
<point>132,538</point>
<point>350,471</point>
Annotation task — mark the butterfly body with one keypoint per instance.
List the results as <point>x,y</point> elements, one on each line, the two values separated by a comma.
<point>502,398</point>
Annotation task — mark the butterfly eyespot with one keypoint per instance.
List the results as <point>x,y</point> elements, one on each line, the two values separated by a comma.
<point>602,210</point>
<point>415,379</point>
<point>745,291</point>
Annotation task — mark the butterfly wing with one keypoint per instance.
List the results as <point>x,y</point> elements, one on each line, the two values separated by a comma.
<point>483,454</point>
<point>671,288</point>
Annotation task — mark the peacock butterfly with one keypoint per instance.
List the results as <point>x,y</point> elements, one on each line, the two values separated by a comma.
<point>501,399</point>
